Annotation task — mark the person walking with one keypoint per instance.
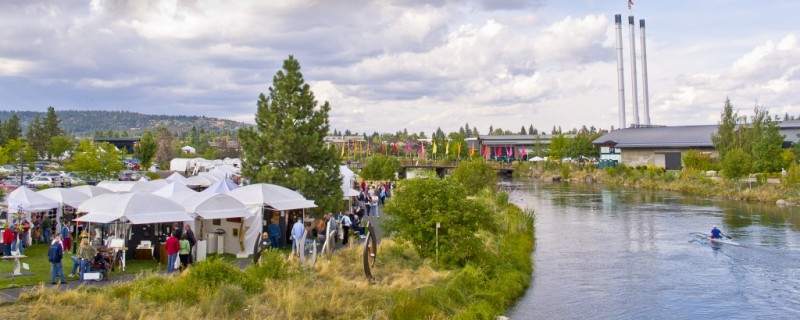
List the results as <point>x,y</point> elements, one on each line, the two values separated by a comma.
<point>8,239</point>
<point>185,251</point>
<point>172,247</point>
<point>54,255</point>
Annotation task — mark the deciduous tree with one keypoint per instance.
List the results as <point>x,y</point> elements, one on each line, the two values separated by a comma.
<point>146,150</point>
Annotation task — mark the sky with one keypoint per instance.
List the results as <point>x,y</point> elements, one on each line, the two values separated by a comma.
<point>386,65</point>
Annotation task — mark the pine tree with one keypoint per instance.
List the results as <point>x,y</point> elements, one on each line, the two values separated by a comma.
<point>36,137</point>
<point>491,130</point>
<point>723,140</point>
<point>522,131</point>
<point>531,131</point>
<point>475,131</point>
<point>12,129</point>
<point>286,146</point>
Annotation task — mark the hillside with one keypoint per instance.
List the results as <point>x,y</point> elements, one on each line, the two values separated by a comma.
<point>87,122</point>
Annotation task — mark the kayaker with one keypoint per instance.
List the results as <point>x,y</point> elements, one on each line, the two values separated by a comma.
<point>716,233</point>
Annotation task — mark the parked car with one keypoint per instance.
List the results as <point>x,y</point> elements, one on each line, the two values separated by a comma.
<point>9,185</point>
<point>41,181</point>
<point>8,169</point>
<point>126,176</point>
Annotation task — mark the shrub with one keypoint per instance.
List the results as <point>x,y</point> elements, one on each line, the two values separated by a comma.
<point>475,175</point>
<point>419,204</point>
<point>272,265</point>
<point>214,272</point>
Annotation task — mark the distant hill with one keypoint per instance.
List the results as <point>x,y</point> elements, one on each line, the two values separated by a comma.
<point>86,122</point>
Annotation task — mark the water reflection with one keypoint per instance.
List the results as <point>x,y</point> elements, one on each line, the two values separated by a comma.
<point>624,253</point>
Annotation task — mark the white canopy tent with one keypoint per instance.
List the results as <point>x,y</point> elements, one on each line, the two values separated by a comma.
<point>64,196</point>
<point>221,186</point>
<point>133,207</point>
<point>26,200</point>
<point>200,181</point>
<point>348,176</point>
<point>91,191</point>
<point>172,189</point>
<point>148,186</point>
<point>214,206</point>
<point>117,186</point>
<point>256,196</point>
<point>179,178</point>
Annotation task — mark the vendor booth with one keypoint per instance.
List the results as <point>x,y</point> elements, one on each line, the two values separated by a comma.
<point>219,223</point>
<point>265,201</point>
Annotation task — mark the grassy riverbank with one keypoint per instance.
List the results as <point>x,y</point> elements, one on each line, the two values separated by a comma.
<point>406,284</point>
<point>688,181</point>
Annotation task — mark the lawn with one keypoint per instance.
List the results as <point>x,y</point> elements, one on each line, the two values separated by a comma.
<point>40,267</point>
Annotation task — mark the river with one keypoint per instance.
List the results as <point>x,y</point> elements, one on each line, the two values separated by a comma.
<point>605,253</point>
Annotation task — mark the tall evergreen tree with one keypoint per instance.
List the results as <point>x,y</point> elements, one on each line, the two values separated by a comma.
<point>36,137</point>
<point>12,129</point>
<point>725,137</point>
<point>475,131</point>
<point>530,130</point>
<point>522,131</point>
<point>286,146</point>
<point>51,128</point>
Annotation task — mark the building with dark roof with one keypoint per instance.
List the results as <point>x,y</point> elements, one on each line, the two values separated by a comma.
<point>125,144</point>
<point>664,146</point>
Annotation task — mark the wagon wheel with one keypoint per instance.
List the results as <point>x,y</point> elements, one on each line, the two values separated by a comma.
<point>370,251</point>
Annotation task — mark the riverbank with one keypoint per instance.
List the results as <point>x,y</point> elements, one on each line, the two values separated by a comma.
<point>406,285</point>
<point>687,181</point>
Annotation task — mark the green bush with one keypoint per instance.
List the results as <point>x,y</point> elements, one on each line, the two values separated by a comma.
<point>272,265</point>
<point>419,204</point>
<point>380,167</point>
<point>214,272</point>
<point>475,175</point>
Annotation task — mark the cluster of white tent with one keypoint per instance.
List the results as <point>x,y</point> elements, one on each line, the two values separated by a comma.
<point>137,203</point>
<point>174,200</point>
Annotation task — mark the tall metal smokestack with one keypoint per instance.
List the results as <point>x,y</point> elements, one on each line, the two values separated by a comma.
<point>634,91</point>
<point>620,71</point>
<point>645,93</point>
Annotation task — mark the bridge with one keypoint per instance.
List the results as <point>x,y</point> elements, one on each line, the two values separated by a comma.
<point>440,167</point>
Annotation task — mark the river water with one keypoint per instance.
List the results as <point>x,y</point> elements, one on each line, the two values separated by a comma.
<point>624,254</point>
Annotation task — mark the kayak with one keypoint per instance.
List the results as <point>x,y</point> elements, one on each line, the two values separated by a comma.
<point>717,240</point>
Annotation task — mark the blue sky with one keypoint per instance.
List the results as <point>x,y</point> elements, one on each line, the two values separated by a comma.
<point>392,64</point>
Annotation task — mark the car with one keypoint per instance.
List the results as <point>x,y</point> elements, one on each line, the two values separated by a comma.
<point>8,169</point>
<point>9,185</point>
<point>126,176</point>
<point>42,181</point>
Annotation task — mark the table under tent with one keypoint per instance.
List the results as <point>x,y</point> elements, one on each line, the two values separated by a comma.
<point>125,210</point>
<point>265,201</point>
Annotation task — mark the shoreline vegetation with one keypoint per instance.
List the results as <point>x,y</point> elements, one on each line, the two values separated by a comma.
<point>756,188</point>
<point>408,283</point>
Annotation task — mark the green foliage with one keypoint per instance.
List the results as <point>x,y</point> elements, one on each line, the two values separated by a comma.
<point>11,129</point>
<point>558,148</point>
<point>475,175</point>
<point>272,265</point>
<point>694,159</point>
<point>20,151</point>
<point>214,272</point>
<point>166,146</point>
<point>419,204</point>
<point>145,151</point>
<point>96,160</point>
<point>736,164</point>
<point>581,146</point>
<point>792,178</point>
<point>788,158</point>
<point>59,145</point>
<point>767,145</point>
<point>152,175</point>
<point>286,147</point>
<point>724,139</point>
<point>380,167</point>
<point>565,171</point>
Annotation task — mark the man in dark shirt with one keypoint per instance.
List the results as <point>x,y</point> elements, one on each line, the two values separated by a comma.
<point>54,255</point>
<point>187,229</point>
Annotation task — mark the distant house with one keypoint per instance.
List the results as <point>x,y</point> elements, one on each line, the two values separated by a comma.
<point>664,146</point>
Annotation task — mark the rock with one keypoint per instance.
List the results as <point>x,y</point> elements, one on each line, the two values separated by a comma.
<point>711,173</point>
<point>781,202</point>
<point>502,318</point>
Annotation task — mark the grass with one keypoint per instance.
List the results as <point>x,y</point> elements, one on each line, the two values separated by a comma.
<point>40,267</point>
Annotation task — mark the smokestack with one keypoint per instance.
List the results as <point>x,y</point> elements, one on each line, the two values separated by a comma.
<point>634,91</point>
<point>645,94</point>
<point>620,76</point>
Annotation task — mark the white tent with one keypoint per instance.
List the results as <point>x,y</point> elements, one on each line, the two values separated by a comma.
<point>91,191</point>
<point>172,189</point>
<point>179,178</point>
<point>135,207</point>
<point>256,196</point>
<point>221,186</point>
<point>64,196</point>
<point>117,186</point>
<point>148,186</point>
<point>214,206</point>
<point>347,182</point>
<point>189,150</point>
<point>26,200</point>
<point>202,181</point>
